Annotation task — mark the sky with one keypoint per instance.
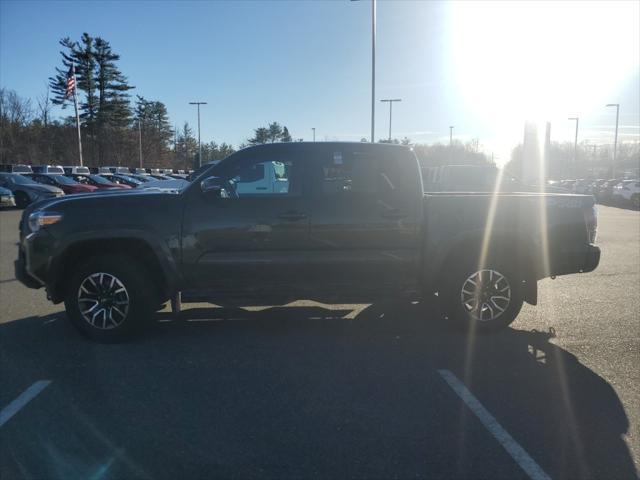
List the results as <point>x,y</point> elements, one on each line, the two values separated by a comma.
<point>483,67</point>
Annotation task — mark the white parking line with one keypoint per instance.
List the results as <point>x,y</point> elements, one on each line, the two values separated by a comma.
<point>24,398</point>
<point>512,447</point>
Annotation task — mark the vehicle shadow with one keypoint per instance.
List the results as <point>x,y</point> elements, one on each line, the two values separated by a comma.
<point>310,393</point>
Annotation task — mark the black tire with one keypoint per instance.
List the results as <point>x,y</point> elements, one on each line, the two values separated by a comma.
<point>125,313</point>
<point>22,200</point>
<point>494,276</point>
<point>635,201</point>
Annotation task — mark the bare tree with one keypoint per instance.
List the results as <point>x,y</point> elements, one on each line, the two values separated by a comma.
<point>44,107</point>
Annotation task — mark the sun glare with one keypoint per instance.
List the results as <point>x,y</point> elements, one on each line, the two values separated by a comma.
<point>517,61</point>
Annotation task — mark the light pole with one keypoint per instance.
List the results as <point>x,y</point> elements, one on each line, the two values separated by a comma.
<point>615,141</point>
<point>451,135</point>
<point>575,144</point>
<point>390,102</point>
<point>314,133</point>
<point>140,142</point>
<point>199,144</point>
<point>373,67</point>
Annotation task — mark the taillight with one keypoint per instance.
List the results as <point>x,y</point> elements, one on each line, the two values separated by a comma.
<point>591,222</point>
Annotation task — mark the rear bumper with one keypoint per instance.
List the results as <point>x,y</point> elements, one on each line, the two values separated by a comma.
<point>577,262</point>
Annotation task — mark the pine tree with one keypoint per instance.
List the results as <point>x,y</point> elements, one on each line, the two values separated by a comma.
<point>275,132</point>
<point>285,137</point>
<point>187,147</point>
<point>260,135</point>
<point>112,86</point>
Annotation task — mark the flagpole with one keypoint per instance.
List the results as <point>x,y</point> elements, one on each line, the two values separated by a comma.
<point>75,104</point>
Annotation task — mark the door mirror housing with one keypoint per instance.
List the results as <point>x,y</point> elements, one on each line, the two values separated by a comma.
<point>217,187</point>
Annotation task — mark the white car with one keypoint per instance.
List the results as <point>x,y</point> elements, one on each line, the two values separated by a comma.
<point>627,191</point>
<point>173,185</point>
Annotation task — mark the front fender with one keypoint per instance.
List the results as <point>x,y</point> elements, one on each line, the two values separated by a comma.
<point>69,246</point>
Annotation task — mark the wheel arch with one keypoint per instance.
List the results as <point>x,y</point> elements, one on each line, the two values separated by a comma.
<point>161,272</point>
<point>502,243</point>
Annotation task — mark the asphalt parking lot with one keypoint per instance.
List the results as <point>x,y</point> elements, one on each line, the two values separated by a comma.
<point>331,391</point>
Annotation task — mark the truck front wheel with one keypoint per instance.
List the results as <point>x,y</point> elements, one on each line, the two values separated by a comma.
<point>108,298</point>
<point>485,298</point>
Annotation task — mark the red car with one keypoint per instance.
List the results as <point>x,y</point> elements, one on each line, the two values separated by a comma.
<point>97,181</point>
<point>67,185</point>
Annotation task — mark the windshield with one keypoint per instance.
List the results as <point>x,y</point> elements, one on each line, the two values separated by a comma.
<point>100,180</point>
<point>129,179</point>
<point>63,180</point>
<point>21,180</point>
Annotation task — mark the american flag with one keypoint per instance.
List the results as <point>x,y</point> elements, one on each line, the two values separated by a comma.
<point>71,81</point>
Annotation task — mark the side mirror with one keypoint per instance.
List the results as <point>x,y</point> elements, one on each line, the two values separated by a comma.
<point>215,187</point>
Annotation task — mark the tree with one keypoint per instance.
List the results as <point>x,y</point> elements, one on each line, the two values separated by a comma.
<point>285,137</point>
<point>155,128</point>
<point>455,154</point>
<point>101,88</point>
<point>112,86</point>
<point>260,135</point>
<point>187,148</point>
<point>275,132</point>
<point>212,151</point>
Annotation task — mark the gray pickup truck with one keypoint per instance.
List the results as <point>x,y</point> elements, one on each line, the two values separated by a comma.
<point>349,223</point>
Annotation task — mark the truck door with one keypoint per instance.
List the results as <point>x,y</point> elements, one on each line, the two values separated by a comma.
<point>255,241</point>
<point>365,218</point>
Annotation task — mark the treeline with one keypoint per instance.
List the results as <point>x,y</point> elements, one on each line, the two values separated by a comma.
<point>590,160</point>
<point>116,129</point>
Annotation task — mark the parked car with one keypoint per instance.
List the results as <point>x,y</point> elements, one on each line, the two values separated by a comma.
<point>596,186</point>
<point>67,185</point>
<point>97,181</point>
<point>125,179</point>
<point>81,170</point>
<point>583,186</point>
<point>138,171</point>
<point>605,192</point>
<point>631,193</point>
<point>25,190</point>
<point>180,176</point>
<point>567,185</point>
<point>352,225</point>
<point>123,170</point>
<point>167,185</point>
<point>55,169</point>
<point>142,178</point>
<point>6,198</point>
<point>15,168</point>
<point>626,192</point>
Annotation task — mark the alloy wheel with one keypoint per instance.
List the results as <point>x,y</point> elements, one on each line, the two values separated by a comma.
<point>103,300</point>
<point>485,295</point>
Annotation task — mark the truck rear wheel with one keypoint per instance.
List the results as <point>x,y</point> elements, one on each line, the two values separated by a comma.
<point>484,298</point>
<point>109,298</point>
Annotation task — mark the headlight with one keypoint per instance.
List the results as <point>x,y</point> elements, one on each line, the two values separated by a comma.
<point>41,219</point>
